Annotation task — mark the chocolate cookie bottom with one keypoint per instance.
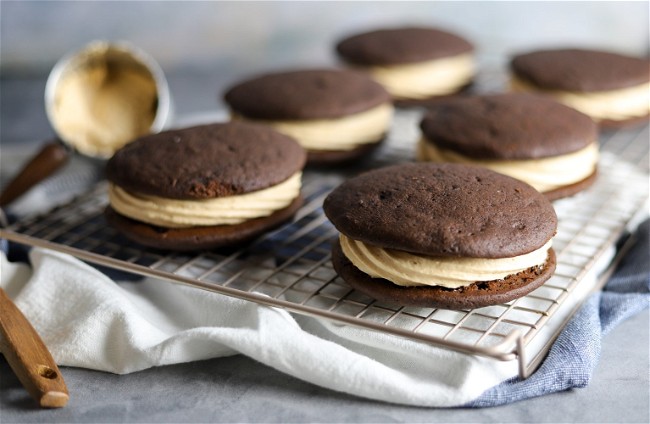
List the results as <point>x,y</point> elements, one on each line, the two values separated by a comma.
<point>199,238</point>
<point>611,124</point>
<point>476,295</point>
<point>571,189</point>
<point>320,158</point>
<point>427,102</point>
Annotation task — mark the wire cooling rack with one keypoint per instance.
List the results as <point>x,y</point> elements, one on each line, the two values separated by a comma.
<point>290,267</point>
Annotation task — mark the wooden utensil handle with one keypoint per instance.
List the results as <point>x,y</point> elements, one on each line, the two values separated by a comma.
<point>29,358</point>
<point>48,160</point>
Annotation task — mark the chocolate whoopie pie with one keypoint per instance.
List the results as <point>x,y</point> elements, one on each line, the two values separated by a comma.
<point>336,115</point>
<point>204,187</point>
<point>613,89</point>
<point>441,235</point>
<point>531,137</point>
<point>417,65</point>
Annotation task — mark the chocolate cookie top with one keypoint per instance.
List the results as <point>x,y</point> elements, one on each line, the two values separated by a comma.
<point>508,126</point>
<point>401,45</point>
<point>580,70</point>
<point>206,161</point>
<point>306,94</point>
<point>442,210</point>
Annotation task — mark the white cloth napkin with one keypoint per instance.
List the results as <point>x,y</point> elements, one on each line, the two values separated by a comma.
<point>87,320</point>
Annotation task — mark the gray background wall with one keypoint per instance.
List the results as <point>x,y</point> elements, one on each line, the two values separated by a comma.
<point>242,35</point>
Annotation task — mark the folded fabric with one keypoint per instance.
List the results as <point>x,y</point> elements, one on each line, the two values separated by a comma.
<point>87,320</point>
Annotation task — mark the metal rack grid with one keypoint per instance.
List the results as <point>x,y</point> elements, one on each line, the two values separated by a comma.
<point>290,267</point>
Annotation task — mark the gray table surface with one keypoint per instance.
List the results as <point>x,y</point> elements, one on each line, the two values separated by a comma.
<point>238,389</point>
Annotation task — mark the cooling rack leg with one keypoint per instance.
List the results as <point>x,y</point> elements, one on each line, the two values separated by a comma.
<point>521,355</point>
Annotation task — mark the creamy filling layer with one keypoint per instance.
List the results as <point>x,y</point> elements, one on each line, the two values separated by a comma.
<point>230,210</point>
<point>409,269</point>
<point>100,109</point>
<point>617,105</point>
<point>425,79</point>
<point>341,134</point>
<point>544,174</point>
